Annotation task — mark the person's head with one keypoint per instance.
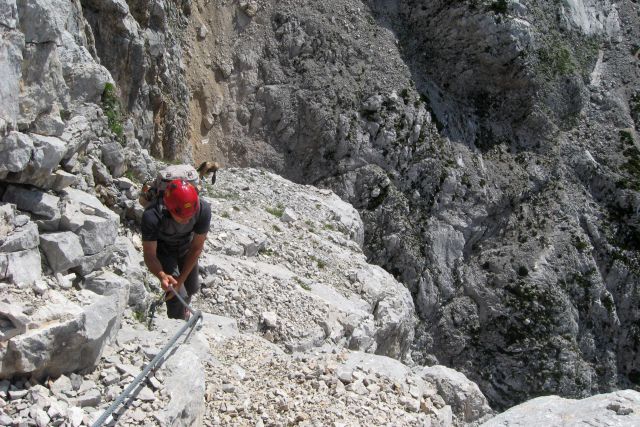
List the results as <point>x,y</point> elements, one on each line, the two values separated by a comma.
<point>181,200</point>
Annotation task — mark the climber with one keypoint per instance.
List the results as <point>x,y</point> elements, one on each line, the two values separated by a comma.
<point>174,230</point>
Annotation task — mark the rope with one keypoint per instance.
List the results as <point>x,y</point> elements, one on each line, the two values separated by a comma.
<point>195,316</point>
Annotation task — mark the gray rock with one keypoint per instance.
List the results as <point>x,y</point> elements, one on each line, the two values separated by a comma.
<point>101,174</point>
<point>620,408</point>
<point>464,396</point>
<point>13,313</point>
<point>269,319</point>
<point>22,238</point>
<point>41,418</point>
<point>49,124</point>
<point>114,158</point>
<point>63,180</point>
<point>34,201</point>
<point>21,267</point>
<point>106,283</point>
<point>47,153</point>
<point>40,287</point>
<point>42,21</point>
<point>5,420</point>
<point>16,150</point>
<point>78,133</point>
<point>9,14</point>
<point>90,263</point>
<point>89,399</point>
<point>96,234</point>
<point>75,416</point>
<point>63,250</point>
<point>289,215</point>
<point>88,204</point>
<point>74,341</point>
<point>185,384</point>
<point>87,81</point>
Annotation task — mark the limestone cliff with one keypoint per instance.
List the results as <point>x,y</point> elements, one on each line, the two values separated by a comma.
<point>490,148</point>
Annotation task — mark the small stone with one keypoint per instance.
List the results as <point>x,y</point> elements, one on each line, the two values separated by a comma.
<point>76,381</point>
<point>91,398</point>
<point>157,385</point>
<point>345,375</point>
<point>75,416</point>
<point>17,394</point>
<point>62,386</point>
<point>288,216</point>
<point>202,32</point>
<point>40,287</point>
<point>146,395</point>
<point>5,420</point>
<point>113,392</point>
<point>56,409</point>
<point>270,319</point>
<point>124,183</point>
<point>41,418</point>
<point>228,388</point>
<point>138,415</point>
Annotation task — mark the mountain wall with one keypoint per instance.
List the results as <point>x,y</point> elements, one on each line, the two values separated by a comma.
<point>490,148</point>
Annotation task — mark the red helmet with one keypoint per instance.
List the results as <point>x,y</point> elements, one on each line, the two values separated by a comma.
<point>181,198</point>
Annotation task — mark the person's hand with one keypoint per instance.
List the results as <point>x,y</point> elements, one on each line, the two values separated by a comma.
<point>167,281</point>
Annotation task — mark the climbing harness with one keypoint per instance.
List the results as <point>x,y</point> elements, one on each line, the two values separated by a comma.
<point>155,363</point>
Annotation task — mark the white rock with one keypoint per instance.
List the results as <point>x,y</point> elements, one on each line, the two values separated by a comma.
<point>63,250</point>
<point>270,319</point>
<point>75,416</point>
<point>289,215</point>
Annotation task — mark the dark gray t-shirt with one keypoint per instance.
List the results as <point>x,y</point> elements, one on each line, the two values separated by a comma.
<point>173,237</point>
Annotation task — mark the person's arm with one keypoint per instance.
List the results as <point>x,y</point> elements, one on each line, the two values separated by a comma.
<point>197,245</point>
<point>155,267</point>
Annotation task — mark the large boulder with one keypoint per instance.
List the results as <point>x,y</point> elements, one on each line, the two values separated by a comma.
<point>11,45</point>
<point>107,283</point>
<point>16,150</point>
<point>21,266</point>
<point>37,202</point>
<point>464,396</point>
<point>620,409</point>
<point>63,337</point>
<point>113,157</point>
<point>62,250</point>
<point>187,405</point>
<point>22,238</point>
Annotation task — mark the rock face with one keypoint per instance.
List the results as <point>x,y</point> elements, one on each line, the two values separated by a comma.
<point>489,148</point>
<point>62,337</point>
<point>621,408</point>
<point>313,265</point>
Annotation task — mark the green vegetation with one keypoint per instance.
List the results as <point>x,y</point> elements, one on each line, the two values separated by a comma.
<point>130,175</point>
<point>276,228</point>
<point>499,7</point>
<point>580,244</point>
<point>302,284</point>
<point>329,227</point>
<point>268,252</point>
<point>139,316</point>
<point>523,271</point>
<point>556,60</point>
<point>113,110</point>
<point>221,194</point>
<point>225,214</point>
<point>320,263</point>
<point>632,165</point>
<point>276,211</point>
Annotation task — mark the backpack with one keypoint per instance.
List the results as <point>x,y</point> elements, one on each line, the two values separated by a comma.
<point>152,191</point>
